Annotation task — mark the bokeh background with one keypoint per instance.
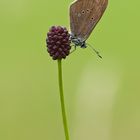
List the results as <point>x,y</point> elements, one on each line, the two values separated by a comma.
<point>102,96</point>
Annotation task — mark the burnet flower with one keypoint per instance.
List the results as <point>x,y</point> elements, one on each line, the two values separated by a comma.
<point>58,46</point>
<point>58,42</point>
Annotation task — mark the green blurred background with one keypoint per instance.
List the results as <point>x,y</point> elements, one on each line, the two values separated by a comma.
<point>102,96</point>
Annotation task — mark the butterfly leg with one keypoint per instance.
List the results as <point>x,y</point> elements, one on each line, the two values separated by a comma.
<point>74,49</point>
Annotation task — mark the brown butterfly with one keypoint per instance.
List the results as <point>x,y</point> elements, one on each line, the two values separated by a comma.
<point>84,15</point>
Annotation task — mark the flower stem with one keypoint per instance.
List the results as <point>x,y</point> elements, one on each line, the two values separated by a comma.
<point>62,99</point>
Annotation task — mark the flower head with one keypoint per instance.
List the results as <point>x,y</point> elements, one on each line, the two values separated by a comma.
<point>58,42</point>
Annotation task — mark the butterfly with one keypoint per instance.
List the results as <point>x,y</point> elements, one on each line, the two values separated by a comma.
<point>84,16</point>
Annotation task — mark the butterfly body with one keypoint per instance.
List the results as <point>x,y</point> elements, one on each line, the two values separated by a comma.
<point>78,42</point>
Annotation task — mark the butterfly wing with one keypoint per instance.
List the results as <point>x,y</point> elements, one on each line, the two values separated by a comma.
<point>84,15</point>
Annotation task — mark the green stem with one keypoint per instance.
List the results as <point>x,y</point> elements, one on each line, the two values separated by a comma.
<point>62,99</point>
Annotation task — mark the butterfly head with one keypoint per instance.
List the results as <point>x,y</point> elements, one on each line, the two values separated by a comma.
<point>78,41</point>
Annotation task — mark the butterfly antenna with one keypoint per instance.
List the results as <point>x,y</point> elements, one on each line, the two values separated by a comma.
<point>94,50</point>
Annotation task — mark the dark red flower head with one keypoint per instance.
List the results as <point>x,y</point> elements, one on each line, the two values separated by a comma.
<point>58,42</point>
